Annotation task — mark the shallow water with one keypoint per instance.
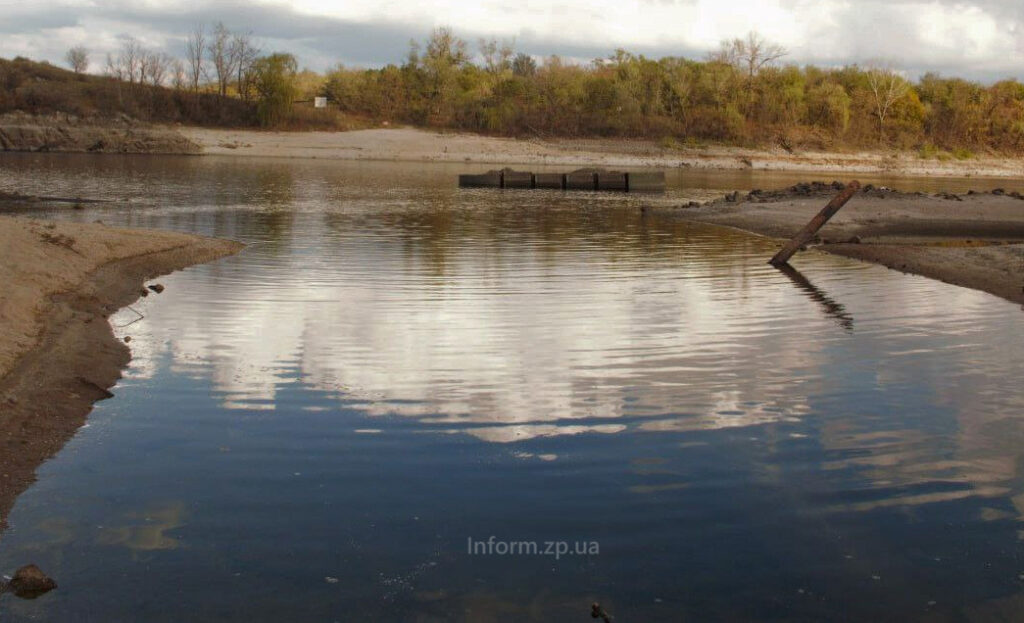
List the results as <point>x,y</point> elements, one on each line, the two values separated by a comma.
<point>316,428</point>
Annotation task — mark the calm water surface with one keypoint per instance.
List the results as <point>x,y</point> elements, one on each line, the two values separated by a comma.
<point>316,428</point>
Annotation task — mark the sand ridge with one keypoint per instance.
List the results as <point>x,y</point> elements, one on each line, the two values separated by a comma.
<point>58,354</point>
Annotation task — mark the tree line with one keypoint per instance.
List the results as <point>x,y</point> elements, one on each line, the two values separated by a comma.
<point>742,93</point>
<point>216,61</point>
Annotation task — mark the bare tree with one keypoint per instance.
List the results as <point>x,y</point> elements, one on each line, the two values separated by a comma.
<point>129,62</point>
<point>195,47</point>
<point>154,67</point>
<point>749,54</point>
<point>887,88</point>
<point>179,78</point>
<point>78,59</point>
<point>131,59</point>
<point>221,52</point>
<point>113,68</point>
<point>245,53</point>
<point>497,56</point>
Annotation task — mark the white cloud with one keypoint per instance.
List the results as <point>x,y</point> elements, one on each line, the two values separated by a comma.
<point>981,39</point>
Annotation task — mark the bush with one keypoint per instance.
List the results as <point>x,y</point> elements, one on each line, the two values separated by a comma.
<point>961,153</point>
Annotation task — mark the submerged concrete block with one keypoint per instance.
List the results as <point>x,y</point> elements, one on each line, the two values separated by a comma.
<point>645,181</point>
<point>579,180</point>
<point>549,180</point>
<point>583,179</point>
<point>611,180</point>
<point>491,179</point>
<point>518,179</point>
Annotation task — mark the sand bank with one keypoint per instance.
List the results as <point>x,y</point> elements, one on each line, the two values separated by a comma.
<point>975,240</point>
<point>407,144</point>
<point>68,133</point>
<point>58,355</point>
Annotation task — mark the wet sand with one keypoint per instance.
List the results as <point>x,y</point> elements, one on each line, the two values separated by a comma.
<point>414,145</point>
<point>973,240</point>
<point>58,353</point>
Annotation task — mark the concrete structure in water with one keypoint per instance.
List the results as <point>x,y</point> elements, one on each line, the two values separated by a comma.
<point>583,179</point>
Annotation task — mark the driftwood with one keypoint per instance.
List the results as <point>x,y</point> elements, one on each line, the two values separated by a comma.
<point>807,233</point>
<point>597,612</point>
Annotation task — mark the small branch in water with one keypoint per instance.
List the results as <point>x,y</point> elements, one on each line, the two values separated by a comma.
<point>140,317</point>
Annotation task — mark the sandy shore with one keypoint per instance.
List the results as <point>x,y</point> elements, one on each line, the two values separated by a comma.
<point>406,144</point>
<point>58,355</point>
<point>974,240</point>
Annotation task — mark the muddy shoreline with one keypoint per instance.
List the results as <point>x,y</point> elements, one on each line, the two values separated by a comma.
<point>48,392</point>
<point>974,240</point>
<point>70,134</point>
<point>478,153</point>
<point>65,133</point>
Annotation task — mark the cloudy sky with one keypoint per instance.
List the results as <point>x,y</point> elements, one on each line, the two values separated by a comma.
<point>981,39</point>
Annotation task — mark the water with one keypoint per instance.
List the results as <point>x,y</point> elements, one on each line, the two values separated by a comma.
<point>320,427</point>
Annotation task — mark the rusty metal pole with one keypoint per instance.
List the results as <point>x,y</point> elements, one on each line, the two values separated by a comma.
<point>816,223</point>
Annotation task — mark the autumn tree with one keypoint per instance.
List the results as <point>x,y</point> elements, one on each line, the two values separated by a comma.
<point>828,107</point>
<point>274,82</point>
<point>497,56</point>
<point>442,59</point>
<point>524,66</point>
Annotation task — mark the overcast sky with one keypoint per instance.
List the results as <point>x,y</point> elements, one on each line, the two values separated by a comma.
<point>980,39</point>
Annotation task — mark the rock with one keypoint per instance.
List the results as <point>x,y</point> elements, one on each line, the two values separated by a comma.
<point>853,240</point>
<point>127,339</point>
<point>143,292</point>
<point>156,287</point>
<point>30,582</point>
<point>998,191</point>
<point>732,197</point>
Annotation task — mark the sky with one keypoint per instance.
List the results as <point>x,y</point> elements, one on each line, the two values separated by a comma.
<point>978,39</point>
